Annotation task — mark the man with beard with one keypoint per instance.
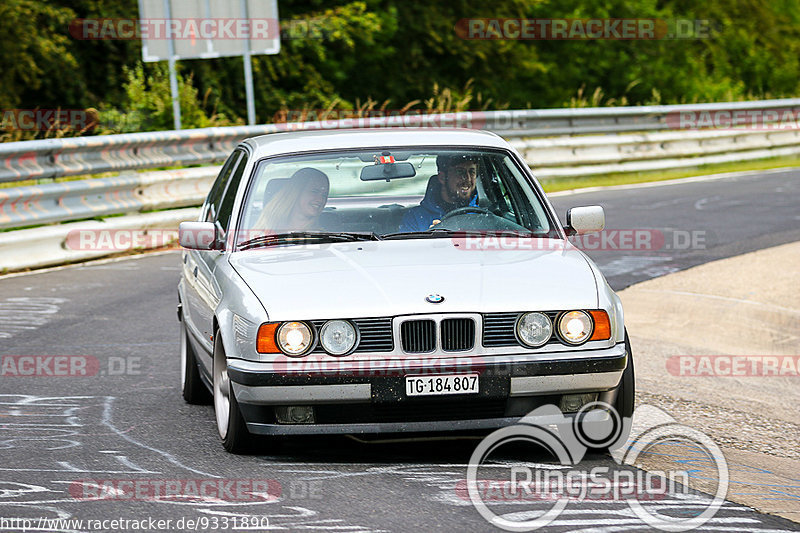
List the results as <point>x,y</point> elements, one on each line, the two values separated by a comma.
<point>452,188</point>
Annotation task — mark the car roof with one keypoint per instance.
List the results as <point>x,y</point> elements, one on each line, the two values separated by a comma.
<point>309,141</point>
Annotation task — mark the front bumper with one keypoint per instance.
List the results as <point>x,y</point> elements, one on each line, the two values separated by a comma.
<point>375,401</point>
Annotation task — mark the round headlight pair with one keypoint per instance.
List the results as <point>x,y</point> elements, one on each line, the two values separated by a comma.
<point>535,329</point>
<point>337,337</point>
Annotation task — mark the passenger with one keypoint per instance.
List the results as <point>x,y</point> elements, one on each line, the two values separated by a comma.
<point>298,204</point>
<point>452,188</point>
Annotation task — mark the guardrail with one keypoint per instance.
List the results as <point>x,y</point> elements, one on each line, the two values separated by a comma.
<point>546,138</point>
<point>131,193</point>
<point>551,158</point>
<point>571,157</point>
<point>52,158</point>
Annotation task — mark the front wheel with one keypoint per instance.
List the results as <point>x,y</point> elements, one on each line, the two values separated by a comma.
<point>230,424</point>
<point>623,405</point>
<point>627,386</point>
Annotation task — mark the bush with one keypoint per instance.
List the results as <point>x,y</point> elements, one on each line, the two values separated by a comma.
<point>148,104</point>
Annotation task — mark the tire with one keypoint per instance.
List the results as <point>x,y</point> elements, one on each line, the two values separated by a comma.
<point>627,389</point>
<point>230,423</point>
<point>192,387</point>
<point>623,404</point>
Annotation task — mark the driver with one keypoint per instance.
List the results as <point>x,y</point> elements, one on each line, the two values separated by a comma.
<point>452,188</point>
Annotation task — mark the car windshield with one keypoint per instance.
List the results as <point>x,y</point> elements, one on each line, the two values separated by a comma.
<point>389,194</point>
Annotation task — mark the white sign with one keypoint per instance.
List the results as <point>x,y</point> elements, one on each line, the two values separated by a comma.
<point>208,28</point>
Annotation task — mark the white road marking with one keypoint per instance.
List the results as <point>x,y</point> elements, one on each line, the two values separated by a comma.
<point>700,204</point>
<point>26,313</point>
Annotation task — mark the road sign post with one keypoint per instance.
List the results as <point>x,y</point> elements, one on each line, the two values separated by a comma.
<point>173,74</point>
<point>205,29</point>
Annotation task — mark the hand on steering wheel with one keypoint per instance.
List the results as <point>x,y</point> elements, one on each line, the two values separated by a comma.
<point>465,210</point>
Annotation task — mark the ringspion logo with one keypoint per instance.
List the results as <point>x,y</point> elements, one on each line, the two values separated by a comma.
<point>542,492</point>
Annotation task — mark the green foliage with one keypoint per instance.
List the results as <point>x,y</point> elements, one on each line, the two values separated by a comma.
<point>148,104</point>
<point>32,54</point>
<point>362,55</point>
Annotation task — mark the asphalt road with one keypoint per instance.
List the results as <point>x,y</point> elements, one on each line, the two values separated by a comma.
<point>127,421</point>
<point>688,224</point>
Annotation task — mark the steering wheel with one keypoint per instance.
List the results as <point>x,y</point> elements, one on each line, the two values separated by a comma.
<point>464,211</point>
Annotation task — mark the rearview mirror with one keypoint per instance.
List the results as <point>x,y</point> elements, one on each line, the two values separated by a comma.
<point>197,235</point>
<point>586,219</point>
<point>388,171</point>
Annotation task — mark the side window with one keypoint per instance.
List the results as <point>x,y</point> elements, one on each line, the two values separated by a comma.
<point>226,206</point>
<point>214,197</point>
<point>497,191</point>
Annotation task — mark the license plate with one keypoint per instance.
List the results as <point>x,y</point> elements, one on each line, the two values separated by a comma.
<point>438,385</point>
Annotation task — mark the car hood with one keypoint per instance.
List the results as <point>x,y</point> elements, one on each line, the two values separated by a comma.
<point>385,278</point>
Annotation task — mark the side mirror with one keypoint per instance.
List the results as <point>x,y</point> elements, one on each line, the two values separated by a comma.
<point>197,235</point>
<point>587,219</point>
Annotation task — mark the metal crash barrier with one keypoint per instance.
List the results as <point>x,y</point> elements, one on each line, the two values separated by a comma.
<point>557,143</point>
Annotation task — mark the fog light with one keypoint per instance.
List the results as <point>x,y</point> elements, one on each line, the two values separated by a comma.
<point>572,403</point>
<point>294,414</point>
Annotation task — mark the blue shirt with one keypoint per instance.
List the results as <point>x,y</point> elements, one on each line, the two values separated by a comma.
<point>432,207</point>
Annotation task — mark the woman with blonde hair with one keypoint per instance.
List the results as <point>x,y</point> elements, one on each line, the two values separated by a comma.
<point>297,205</point>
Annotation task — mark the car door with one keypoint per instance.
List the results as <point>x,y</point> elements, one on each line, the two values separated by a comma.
<point>208,289</point>
<point>198,315</point>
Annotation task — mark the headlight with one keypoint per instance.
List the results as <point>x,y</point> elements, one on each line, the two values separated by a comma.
<point>294,338</point>
<point>534,329</point>
<point>338,337</point>
<point>575,327</point>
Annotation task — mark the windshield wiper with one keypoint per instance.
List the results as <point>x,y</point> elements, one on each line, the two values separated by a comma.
<point>303,237</point>
<point>442,232</point>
